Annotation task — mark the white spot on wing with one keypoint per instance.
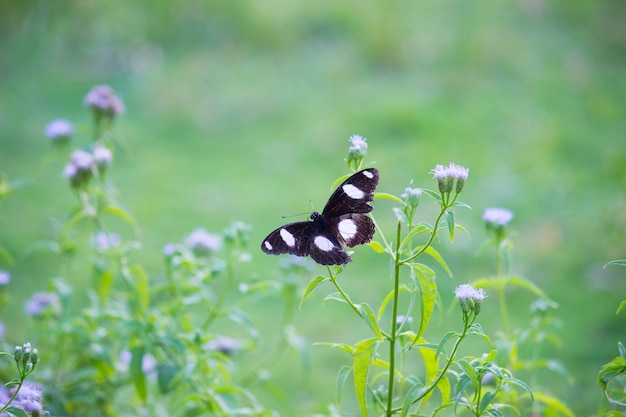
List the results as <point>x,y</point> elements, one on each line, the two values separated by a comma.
<point>323,243</point>
<point>347,228</point>
<point>287,237</point>
<point>353,192</point>
<point>267,245</point>
<point>368,174</point>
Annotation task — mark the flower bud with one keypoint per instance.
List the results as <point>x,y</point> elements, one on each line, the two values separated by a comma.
<point>411,196</point>
<point>18,354</point>
<point>34,357</point>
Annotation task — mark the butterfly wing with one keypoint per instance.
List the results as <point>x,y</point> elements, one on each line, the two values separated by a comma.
<point>353,228</point>
<point>293,238</point>
<point>353,194</point>
<point>314,239</point>
<point>343,222</point>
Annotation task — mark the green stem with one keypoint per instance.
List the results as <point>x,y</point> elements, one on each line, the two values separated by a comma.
<point>444,206</point>
<point>462,336</point>
<point>394,327</point>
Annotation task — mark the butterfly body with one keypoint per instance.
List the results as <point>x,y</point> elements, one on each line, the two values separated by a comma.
<point>342,223</point>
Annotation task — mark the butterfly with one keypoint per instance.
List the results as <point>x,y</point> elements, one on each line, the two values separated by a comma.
<point>342,223</point>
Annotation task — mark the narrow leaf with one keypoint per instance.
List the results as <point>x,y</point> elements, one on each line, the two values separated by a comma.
<point>378,248</point>
<point>379,196</point>
<point>342,377</point>
<point>136,372</point>
<point>367,314</point>
<point>450,221</point>
<point>363,354</point>
<point>312,285</point>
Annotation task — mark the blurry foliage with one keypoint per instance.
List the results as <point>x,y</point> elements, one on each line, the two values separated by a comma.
<point>240,110</point>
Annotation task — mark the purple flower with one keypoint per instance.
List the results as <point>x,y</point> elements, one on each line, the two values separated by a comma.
<point>102,99</point>
<point>2,330</point>
<point>28,398</point>
<point>357,151</point>
<point>169,249</point>
<point>103,240</point>
<point>82,160</point>
<point>148,362</point>
<point>202,242</point>
<point>79,169</point>
<point>40,302</point>
<point>102,156</point>
<point>497,216</point>
<point>446,177</point>
<point>5,277</point>
<point>469,297</point>
<point>59,130</point>
<point>223,344</point>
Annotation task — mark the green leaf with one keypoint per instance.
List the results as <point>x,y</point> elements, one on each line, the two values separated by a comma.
<point>485,401</point>
<point>106,279</point>
<point>165,375</point>
<point>363,354</point>
<point>554,404</point>
<point>622,305</point>
<point>312,285</point>
<point>119,212</point>
<point>521,384</point>
<point>435,255</point>
<point>445,339</point>
<point>240,317</point>
<point>428,296</point>
<point>379,196</point>
<point>4,254</point>
<point>388,298</point>
<point>432,194</point>
<point>16,411</point>
<point>336,296</point>
<point>530,286</point>
<point>141,284</point>
<point>342,377</point>
<point>415,231</point>
<point>378,248</point>
<point>412,395</point>
<point>136,372</point>
<point>620,262</point>
<point>450,222</point>
<point>367,314</point>
<point>341,346</point>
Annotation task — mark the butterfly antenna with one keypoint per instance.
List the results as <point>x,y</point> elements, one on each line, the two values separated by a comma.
<point>294,215</point>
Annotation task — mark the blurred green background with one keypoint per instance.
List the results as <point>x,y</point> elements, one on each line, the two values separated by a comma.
<point>241,111</point>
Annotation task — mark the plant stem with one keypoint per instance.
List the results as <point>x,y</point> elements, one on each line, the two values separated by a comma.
<point>394,327</point>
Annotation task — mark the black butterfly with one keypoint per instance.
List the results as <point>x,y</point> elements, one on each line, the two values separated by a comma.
<point>342,222</point>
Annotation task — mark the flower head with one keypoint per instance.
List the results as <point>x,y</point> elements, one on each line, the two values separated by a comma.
<point>103,100</point>
<point>103,240</point>
<point>169,249</point>
<point>102,156</point>
<point>447,176</point>
<point>29,398</point>
<point>497,216</point>
<point>202,242</point>
<point>79,169</point>
<point>59,131</point>
<point>40,302</point>
<point>5,277</point>
<point>223,344</point>
<point>357,150</point>
<point>470,297</point>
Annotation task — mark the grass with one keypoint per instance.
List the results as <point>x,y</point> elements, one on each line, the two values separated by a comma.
<point>242,111</point>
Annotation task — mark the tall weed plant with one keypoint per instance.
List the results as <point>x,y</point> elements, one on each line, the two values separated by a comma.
<point>146,346</point>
